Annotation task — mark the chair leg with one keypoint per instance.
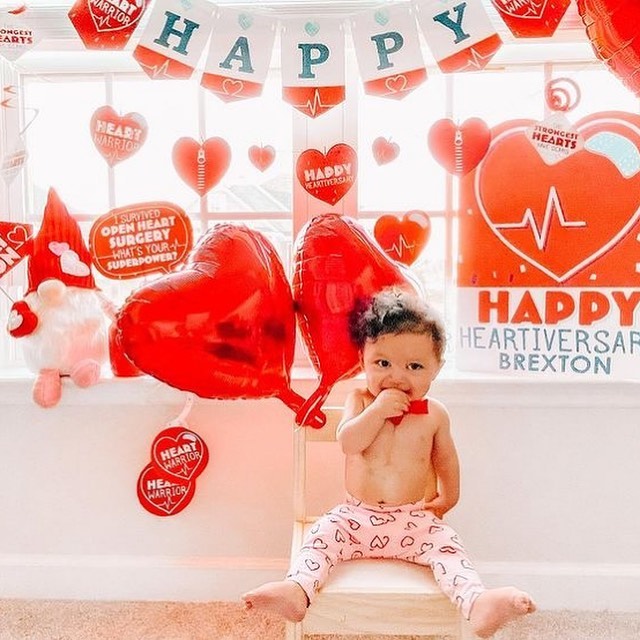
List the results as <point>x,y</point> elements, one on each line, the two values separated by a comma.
<point>293,631</point>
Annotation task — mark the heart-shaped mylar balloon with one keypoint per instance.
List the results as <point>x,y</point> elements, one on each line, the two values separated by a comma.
<point>459,149</point>
<point>117,137</point>
<point>612,28</point>
<point>223,327</point>
<point>403,239</point>
<point>336,267</point>
<point>201,166</point>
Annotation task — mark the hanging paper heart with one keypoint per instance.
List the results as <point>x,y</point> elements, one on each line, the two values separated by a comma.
<point>179,453</point>
<point>612,28</point>
<point>161,496</point>
<point>201,166</point>
<point>223,326</point>
<point>329,176</point>
<point>262,157</point>
<point>336,266</point>
<point>531,19</point>
<point>403,239</point>
<point>117,137</point>
<point>459,149</point>
<point>384,150</point>
<point>106,25</point>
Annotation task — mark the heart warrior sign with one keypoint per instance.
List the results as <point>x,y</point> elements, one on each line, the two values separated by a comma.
<point>549,263</point>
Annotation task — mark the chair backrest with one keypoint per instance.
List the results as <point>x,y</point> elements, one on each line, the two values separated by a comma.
<point>303,436</point>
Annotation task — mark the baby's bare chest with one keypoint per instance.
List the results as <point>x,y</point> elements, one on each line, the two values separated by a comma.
<point>409,442</point>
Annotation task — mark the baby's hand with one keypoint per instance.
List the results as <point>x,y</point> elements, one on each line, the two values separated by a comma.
<point>439,506</point>
<point>391,403</point>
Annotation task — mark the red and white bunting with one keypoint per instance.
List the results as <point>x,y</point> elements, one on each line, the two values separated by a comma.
<point>313,79</point>
<point>388,51</point>
<point>239,54</point>
<point>16,37</point>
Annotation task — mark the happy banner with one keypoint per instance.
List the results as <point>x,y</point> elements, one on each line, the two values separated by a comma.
<point>548,268</point>
<point>388,51</point>
<point>313,79</point>
<point>239,54</point>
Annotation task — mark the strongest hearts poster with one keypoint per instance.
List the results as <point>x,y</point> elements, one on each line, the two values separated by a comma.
<point>549,253</point>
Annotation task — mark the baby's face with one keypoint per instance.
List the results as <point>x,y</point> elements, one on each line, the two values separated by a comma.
<point>406,361</point>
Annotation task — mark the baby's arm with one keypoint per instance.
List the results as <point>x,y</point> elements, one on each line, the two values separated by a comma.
<point>445,463</point>
<point>362,422</point>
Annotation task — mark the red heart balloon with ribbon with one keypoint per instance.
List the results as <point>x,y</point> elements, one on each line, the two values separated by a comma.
<point>459,149</point>
<point>336,267</point>
<point>201,166</point>
<point>404,238</point>
<point>117,137</point>
<point>262,157</point>
<point>328,177</point>
<point>222,327</point>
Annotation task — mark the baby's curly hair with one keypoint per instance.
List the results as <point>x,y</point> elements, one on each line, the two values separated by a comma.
<point>394,311</point>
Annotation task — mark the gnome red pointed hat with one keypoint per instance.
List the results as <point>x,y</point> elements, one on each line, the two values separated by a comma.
<point>59,250</point>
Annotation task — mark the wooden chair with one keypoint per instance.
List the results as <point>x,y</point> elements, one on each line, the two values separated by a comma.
<point>377,597</point>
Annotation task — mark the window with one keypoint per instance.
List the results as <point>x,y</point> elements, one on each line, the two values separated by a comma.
<point>59,90</point>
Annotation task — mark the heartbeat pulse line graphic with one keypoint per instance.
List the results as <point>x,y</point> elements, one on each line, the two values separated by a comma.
<point>314,106</point>
<point>541,235</point>
<point>401,246</point>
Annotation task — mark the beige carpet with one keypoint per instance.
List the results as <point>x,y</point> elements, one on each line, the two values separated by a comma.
<point>69,620</point>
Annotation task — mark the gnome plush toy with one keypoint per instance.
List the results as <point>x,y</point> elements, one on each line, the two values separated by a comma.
<point>63,320</point>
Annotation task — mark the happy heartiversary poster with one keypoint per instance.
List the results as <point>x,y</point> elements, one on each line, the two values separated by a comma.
<point>549,258</point>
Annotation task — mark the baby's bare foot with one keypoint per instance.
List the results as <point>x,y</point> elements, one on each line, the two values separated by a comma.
<point>285,598</point>
<point>496,607</point>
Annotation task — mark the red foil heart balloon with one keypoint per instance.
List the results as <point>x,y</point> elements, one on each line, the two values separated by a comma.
<point>201,166</point>
<point>223,327</point>
<point>612,28</point>
<point>403,239</point>
<point>336,266</point>
<point>459,149</point>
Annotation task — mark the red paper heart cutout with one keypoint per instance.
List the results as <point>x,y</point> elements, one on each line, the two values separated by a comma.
<point>161,496</point>
<point>262,157</point>
<point>384,151</point>
<point>612,28</point>
<point>559,217</point>
<point>201,166</point>
<point>223,326</point>
<point>329,176</point>
<point>459,149</point>
<point>179,453</point>
<point>117,137</point>
<point>531,19</point>
<point>336,266</point>
<point>403,239</point>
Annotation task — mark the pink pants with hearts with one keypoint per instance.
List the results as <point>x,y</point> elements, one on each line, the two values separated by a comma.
<point>403,532</point>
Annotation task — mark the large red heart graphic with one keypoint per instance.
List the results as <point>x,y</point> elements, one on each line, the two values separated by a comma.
<point>612,28</point>
<point>459,149</point>
<point>117,137</point>
<point>223,327</point>
<point>201,166</point>
<point>531,19</point>
<point>336,266</point>
<point>561,218</point>
<point>179,453</point>
<point>328,176</point>
<point>403,239</point>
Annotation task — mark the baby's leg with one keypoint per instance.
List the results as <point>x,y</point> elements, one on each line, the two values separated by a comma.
<point>285,598</point>
<point>495,608</point>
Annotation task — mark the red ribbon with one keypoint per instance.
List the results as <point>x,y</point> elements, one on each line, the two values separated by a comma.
<point>415,406</point>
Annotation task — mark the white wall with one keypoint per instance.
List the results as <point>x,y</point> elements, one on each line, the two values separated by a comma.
<point>550,492</point>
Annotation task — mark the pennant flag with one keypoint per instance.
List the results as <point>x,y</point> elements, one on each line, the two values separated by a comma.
<point>459,33</point>
<point>239,54</point>
<point>313,64</point>
<point>15,244</point>
<point>174,39</point>
<point>16,37</point>
<point>106,24</point>
<point>388,51</point>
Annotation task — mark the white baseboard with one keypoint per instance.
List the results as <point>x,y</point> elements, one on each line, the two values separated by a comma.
<point>573,586</point>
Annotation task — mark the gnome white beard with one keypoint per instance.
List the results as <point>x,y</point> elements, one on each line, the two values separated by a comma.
<point>69,332</point>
